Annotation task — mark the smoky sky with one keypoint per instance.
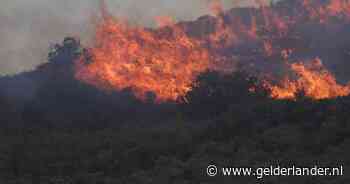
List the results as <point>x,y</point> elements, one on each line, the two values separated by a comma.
<point>29,27</point>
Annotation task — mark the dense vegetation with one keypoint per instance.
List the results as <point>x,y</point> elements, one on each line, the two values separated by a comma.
<point>58,130</point>
<point>68,132</point>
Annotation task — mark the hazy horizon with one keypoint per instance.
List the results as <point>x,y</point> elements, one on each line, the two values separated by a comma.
<point>30,26</point>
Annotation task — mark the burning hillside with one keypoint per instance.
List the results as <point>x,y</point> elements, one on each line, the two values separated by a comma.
<point>166,61</point>
<point>251,85</point>
<point>313,80</point>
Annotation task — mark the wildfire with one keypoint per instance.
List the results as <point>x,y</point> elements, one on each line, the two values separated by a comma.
<point>313,80</point>
<point>164,62</point>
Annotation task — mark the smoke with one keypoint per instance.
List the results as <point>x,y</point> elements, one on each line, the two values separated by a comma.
<point>28,27</point>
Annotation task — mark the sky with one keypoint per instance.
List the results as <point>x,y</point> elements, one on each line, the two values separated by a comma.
<point>29,27</point>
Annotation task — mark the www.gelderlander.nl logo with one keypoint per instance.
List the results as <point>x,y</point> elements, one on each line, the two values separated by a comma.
<point>259,173</point>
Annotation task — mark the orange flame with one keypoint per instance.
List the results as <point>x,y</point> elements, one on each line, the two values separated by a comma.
<point>164,62</point>
<point>313,80</point>
<point>164,21</point>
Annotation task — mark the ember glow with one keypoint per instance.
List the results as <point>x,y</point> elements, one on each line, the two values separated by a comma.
<point>313,80</point>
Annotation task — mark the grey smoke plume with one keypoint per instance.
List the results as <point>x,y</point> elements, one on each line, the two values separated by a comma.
<point>28,27</point>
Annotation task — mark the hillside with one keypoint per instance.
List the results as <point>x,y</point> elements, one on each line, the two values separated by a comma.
<point>65,124</point>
